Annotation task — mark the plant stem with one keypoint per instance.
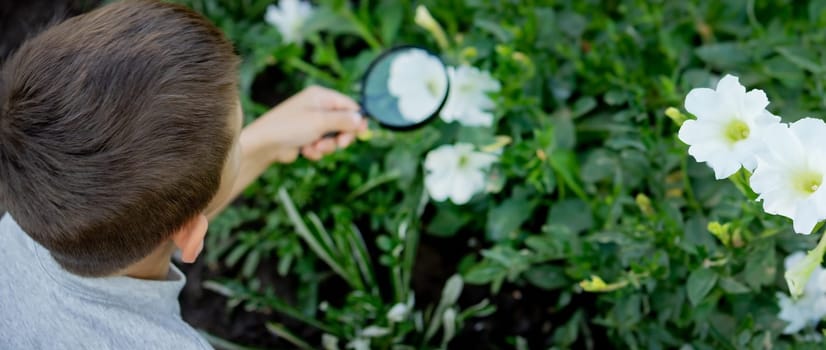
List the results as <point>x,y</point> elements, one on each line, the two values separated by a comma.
<point>282,332</point>
<point>311,70</point>
<point>304,232</point>
<point>363,30</point>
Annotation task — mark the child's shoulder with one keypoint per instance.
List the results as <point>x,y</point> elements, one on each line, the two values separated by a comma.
<point>45,307</point>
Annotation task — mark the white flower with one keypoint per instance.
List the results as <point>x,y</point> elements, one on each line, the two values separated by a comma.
<point>426,21</point>
<point>810,308</point>
<point>790,172</point>
<point>800,313</point>
<point>397,313</point>
<point>419,81</point>
<point>456,172</point>
<point>329,342</point>
<point>374,331</point>
<point>401,311</point>
<point>449,321</point>
<point>726,133</point>
<point>289,17</point>
<point>468,101</point>
<point>359,344</point>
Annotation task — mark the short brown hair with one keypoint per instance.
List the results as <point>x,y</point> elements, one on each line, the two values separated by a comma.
<point>114,130</point>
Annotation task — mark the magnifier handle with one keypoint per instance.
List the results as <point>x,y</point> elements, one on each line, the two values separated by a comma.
<point>331,135</point>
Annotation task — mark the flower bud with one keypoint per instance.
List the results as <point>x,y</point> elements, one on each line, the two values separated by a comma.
<point>426,21</point>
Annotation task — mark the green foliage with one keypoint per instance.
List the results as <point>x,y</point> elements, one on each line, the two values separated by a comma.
<point>594,195</point>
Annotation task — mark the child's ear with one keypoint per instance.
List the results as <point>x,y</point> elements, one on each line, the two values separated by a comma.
<point>190,238</point>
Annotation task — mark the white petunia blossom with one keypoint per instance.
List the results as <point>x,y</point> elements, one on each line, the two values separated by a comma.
<point>329,342</point>
<point>730,122</point>
<point>398,313</point>
<point>419,82</point>
<point>469,101</point>
<point>456,172</point>
<point>401,311</point>
<point>289,17</point>
<point>374,332</point>
<point>810,308</point>
<point>359,344</point>
<point>790,173</point>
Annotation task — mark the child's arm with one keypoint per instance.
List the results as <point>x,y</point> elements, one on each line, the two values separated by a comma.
<point>294,127</point>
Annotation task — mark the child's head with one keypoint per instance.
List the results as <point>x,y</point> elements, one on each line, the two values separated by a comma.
<point>115,127</point>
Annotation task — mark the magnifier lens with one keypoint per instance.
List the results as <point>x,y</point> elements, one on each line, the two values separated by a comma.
<point>405,88</point>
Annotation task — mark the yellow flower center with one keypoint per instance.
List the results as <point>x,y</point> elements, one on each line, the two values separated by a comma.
<point>432,87</point>
<point>808,182</point>
<point>736,130</point>
<point>463,161</point>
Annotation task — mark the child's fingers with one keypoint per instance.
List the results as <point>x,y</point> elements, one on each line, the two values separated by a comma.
<point>311,153</point>
<point>341,121</point>
<point>345,140</point>
<point>333,100</point>
<point>325,145</point>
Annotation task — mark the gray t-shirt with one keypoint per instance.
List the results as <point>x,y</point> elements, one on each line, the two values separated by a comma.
<point>44,307</point>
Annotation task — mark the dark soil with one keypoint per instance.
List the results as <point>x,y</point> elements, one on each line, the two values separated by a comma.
<point>524,311</point>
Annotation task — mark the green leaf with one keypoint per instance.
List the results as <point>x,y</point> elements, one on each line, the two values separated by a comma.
<point>566,335</point>
<point>565,164</point>
<point>390,20</point>
<point>484,273</point>
<point>327,20</point>
<point>479,136</point>
<point>732,286</point>
<point>573,213</point>
<point>564,132</point>
<point>724,55</point>
<point>699,284</point>
<point>501,34</point>
<point>761,265</point>
<point>601,164</point>
<point>572,23</point>
<point>802,58</point>
<point>447,222</point>
<point>615,97</point>
<point>507,217</point>
<point>582,106</point>
<point>547,277</point>
<point>557,242</point>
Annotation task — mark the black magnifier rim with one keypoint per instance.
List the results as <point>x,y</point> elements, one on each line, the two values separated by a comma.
<point>380,58</point>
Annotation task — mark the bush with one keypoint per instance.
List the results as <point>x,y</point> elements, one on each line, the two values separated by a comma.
<point>594,217</point>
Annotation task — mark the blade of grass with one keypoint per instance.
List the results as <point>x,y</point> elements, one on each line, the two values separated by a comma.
<point>304,232</point>
<point>374,182</point>
<point>275,304</point>
<point>281,331</point>
<point>325,235</point>
<point>221,343</point>
<point>359,250</point>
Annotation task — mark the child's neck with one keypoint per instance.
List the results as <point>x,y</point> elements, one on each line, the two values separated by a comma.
<point>155,266</point>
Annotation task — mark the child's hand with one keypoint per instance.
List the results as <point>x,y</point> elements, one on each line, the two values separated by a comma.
<point>298,125</point>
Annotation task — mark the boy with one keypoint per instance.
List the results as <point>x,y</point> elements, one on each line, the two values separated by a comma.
<point>120,136</point>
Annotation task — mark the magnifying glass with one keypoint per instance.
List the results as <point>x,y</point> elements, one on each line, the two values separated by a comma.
<point>404,88</point>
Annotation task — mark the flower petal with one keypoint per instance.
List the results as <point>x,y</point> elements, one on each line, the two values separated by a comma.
<point>416,106</point>
<point>730,89</point>
<point>809,131</point>
<point>439,187</point>
<point>702,103</point>
<point>805,218</point>
<point>471,182</point>
<point>468,101</point>
<point>695,132</point>
<point>754,103</point>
